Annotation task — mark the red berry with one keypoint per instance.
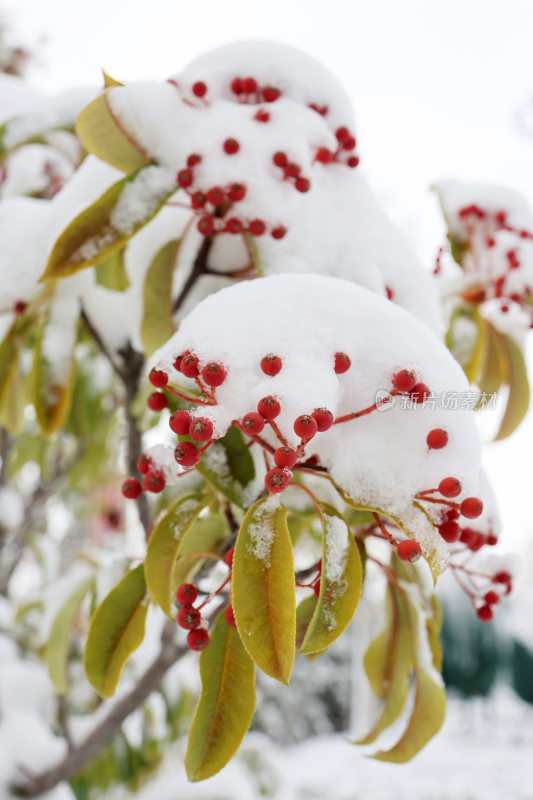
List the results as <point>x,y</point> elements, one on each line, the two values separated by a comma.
<point>324,155</point>
<point>234,225</point>
<point>186,594</point>
<point>353,162</point>
<point>228,558</point>
<point>449,530</point>
<point>491,598</point>
<point>437,439</point>
<point>450,487</point>
<point>261,115</point>
<point>305,426</point>
<point>285,457</point>
<point>323,418</point>
<point>214,374</point>
<point>186,454</point>
<point>279,232</point>
<point>271,364</point>
<point>189,366</point>
<point>201,429</point>
<point>302,185</point>
<point>419,392</point>
<point>185,178</point>
<point>216,195</point>
<point>342,363</point>
<point>270,94</point>
<point>199,89</point>
<point>252,423</point>
<point>236,192</point>
<point>280,159</point>
<point>453,513</point>
<point>276,480</point>
<point>198,200</point>
<point>348,143</point>
<point>230,617</point>
<point>179,422</point>
<point>492,539</point>
<point>198,639</point>
<point>231,146</point>
<point>143,464</point>
<point>268,407</point>
<point>342,134</point>
<point>154,481</point>
<point>236,86</point>
<point>189,618</point>
<point>468,536</point>
<point>206,225</point>
<point>472,507</point>
<point>193,160</point>
<point>249,85</point>
<point>131,489</point>
<point>158,377</point>
<point>257,227</point>
<point>157,401</point>
<point>408,550</point>
<point>404,380</point>
<point>502,577</point>
<point>485,613</point>
<point>292,170</point>
<point>19,307</point>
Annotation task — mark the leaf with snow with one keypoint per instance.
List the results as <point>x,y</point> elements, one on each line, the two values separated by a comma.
<point>263,595</point>
<point>102,134</point>
<point>164,545</point>
<point>110,222</point>
<point>226,705</point>
<point>228,465</point>
<point>156,324</point>
<point>340,584</point>
<point>56,655</point>
<point>116,631</point>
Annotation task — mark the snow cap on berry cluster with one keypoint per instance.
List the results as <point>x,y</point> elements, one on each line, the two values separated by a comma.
<point>380,460</point>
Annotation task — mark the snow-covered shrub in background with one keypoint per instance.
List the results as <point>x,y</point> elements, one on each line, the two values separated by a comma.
<point>304,442</point>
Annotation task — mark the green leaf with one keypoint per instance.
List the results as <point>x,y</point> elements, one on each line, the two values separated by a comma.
<point>108,224</point>
<point>156,324</point>
<point>226,706</point>
<point>340,584</point>
<point>51,397</point>
<point>164,545</point>
<point>473,360</point>
<point>111,273</point>
<point>56,656</point>
<point>116,631</point>
<point>429,707</point>
<point>10,348</point>
<point>304,615</point>
<point>378,660</point>
<point>494,369</point>
<point>228,465</point>
<point>392,678</point>
<point>102,134</point>
<point>263,595</point>
<point>518,401</point>
<point>205,536</point>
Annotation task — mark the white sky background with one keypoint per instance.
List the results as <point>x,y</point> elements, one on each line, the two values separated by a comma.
<point>436,86</point>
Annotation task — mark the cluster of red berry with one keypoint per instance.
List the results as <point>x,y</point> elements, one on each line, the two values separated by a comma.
<point>344,151</point>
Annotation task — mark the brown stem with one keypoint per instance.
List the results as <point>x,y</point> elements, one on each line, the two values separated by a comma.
<point>199,268</point>
<point>102,735</point>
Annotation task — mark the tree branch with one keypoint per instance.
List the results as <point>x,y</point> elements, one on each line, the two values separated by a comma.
<point>198,268</point>
<point>103,734</point>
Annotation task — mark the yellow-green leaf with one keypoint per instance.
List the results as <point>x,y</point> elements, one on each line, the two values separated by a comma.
<point>402,657</point>
<point>340,585</point>
<point>304,615</point>
<point>109,82</point>
<point>10,349</point>
<point>108,224</point>
<point>494,370</point>
<point>102,134</point>
<point>111,273</point>
<point>263,595</point>
<point>378,660</point>
<point>116,631</point>
<point>429,707</point>
<point>51,396</point>
<point>226,705</point>
<point>156,324</point>
<point>56,656</point>
<point>205,536</point>
<point>518,401</point>
<point>472,360</point>
<point>163,547</point>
